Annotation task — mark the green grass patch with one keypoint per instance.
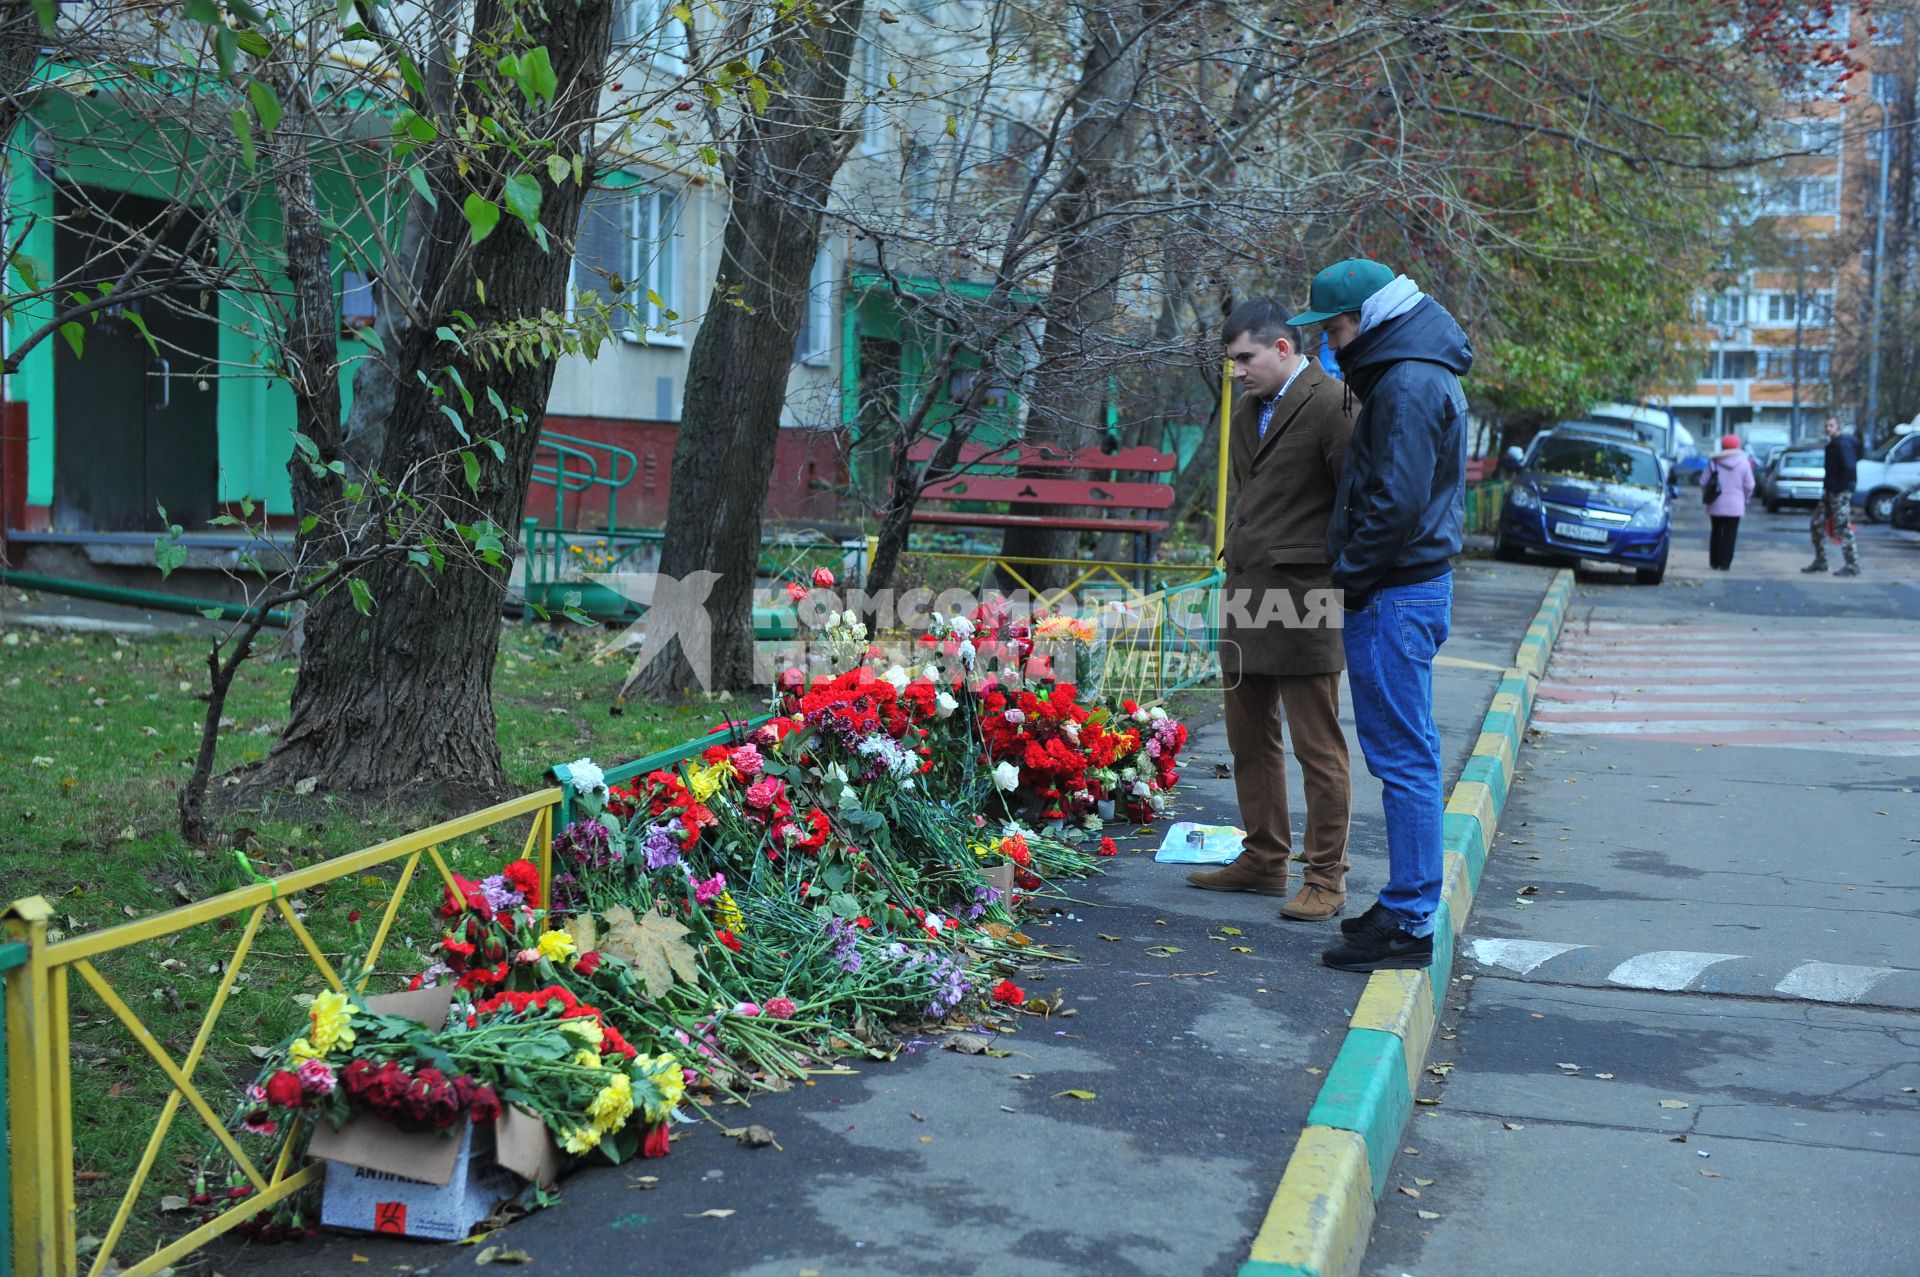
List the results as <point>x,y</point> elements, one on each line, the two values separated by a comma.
<point>97,734</point>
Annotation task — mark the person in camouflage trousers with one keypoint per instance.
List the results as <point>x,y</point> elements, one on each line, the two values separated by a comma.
<point>1834,513</point>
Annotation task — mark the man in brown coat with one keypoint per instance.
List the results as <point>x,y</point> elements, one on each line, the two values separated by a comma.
<point>1280,645</point>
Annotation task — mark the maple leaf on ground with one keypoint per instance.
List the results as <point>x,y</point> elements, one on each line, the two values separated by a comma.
<point>654,945</point>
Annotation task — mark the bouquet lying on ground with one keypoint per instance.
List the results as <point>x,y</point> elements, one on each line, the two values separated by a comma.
<point>790,894</point>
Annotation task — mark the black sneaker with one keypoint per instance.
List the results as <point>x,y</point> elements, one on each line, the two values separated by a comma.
<point>1814,567</point>
<point>1382,945</point>
<point>1852,569</point>
<point>1353,926</point>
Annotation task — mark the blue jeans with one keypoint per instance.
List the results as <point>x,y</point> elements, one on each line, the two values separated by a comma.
<point>1391,643</point>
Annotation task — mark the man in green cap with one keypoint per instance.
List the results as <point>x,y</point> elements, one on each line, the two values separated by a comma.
<point>1397,523</point>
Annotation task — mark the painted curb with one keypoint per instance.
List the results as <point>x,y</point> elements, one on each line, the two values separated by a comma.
<point>1322,1213</point>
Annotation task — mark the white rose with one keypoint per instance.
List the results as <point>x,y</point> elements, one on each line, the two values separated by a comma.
<point>939,621</point>
<point>897,677</point>
<point>1007,776</point>
<point>1016,717</point>
<point>966,653</point>
<point>1157,714</point>
<point>962,627</point>
<point>1158,802</point>
<point>944,705</point>
<point>1071,730</point>
<point>1140,789</point>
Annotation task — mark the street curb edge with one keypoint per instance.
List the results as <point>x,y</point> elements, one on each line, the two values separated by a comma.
<point>1318,1222</point>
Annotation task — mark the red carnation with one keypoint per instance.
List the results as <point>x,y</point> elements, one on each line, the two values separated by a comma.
<point>483,1105</point>
<point>1107,847</point>
<point>1009,993</point>
<point>525,877</point>
<point>587,963</point>
<point>284,1089</point>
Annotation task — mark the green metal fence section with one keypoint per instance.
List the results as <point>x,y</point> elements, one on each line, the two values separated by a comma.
<point>1484,502</point>
<point>11,956</point>
<point>567,464</point>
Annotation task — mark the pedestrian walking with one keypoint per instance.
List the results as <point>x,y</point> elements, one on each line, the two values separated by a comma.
<point>1280,649</point>
<point>1728,485</point>
<point>1833,517</point>
<point>1397,523</point>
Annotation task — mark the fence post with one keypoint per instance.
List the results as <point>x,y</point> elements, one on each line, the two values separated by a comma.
<point>42,1215</point>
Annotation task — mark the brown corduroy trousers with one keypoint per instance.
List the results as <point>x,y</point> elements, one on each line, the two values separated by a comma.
<point>1312,718</point>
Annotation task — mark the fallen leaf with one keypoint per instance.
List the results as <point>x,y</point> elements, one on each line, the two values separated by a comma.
<point>645,1182</point>
<point>1238,948</point>
<point>1076,1095</point>
<point>1439,1070</point>
<point>1710,1174</point>
<point>500,1255</point>
<point>1314,1071</point>
<point>1427,1214</point>
<point>1673,1104</point>
<point>968,1043</point>
<point>1529,890</point>
<point>1424,1183</point>
<point>915,1116</point>
<point>173,1202</point>
<point>1604,1077</point>
<point>1021,1077</point>
<point>89,1177</point>
<point>1230,931</point>
<point>1513,1126</point>
<point>926,1139</point>
<point>361,1259</point>
<point>1427,1101</point>
<point>711,1214</point>
<point>1410,1192</point>
<point>653,945</point>
<point>1162,951</point>
<point>1105,936</point>
<point>755,1136</point>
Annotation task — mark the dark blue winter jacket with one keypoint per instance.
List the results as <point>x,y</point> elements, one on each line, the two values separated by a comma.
<point>1402,504</point>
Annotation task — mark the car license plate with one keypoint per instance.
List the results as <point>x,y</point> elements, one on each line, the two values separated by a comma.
<point>1579,532</point>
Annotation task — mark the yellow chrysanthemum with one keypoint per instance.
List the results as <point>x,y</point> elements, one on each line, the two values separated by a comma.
<point>728,914</point>
<point>588,1059</point>
<point>613,1106</point>
<point>664,1079</point>
<point>705,782</point>
<point>580,1140</point>
<point>556,946</point>
<point>303,1050</point>
<point>332,1016</point>
<point>585,1030</point>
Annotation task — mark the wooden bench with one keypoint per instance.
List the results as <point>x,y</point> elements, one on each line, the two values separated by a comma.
<point>1125,505</point>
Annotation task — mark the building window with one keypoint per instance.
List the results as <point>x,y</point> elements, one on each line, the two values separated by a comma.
<point>1810,137</point>
<point>921,178</point>
<point>647,25</point>
<point>1787,196</point>
<point>814,347</point>
<point>873,115</point>
<point>628,255</point>
<point>1777,365</point>
<point>1727,310</point>
<point>1729,365</point>
<point>1889,28</point>
<point>358,300</point>
<point>1886,88</point>
<point>1779,309</point>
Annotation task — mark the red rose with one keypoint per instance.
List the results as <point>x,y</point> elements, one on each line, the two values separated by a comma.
<point>386,1090</point>
<point>356,1076</point>
<point>658,1143</point>
<point>484,1106</point>
<point>284,1089</point>
<point>442,1105</point>
<point>588,963</point>
<point>822,579</point>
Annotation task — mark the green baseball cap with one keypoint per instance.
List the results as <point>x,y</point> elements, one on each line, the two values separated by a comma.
<point>1342,287</point>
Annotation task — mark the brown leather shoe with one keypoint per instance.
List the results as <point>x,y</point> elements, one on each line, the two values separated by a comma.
<point>1236,877</point>
<point>1315,903</point>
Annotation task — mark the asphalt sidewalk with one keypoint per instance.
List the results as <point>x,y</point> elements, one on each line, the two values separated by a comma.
<point>1681,1037</point>
<point>1202,1061</point>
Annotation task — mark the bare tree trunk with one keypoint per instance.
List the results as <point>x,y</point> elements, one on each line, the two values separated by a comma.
<point>783,167</point>
<point>403,696</point>
<point>1067,408</point>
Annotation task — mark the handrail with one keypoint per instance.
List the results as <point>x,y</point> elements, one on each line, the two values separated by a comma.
<point>622,466</point>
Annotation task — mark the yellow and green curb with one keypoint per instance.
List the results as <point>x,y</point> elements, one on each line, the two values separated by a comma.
<point>1320,1217</point>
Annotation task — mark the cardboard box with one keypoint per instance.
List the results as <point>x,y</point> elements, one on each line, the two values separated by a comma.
<point>430,1184</point>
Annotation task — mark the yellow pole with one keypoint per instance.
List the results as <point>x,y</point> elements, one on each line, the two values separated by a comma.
<point>1220,496</point>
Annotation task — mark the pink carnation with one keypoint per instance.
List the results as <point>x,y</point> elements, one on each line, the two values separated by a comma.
<point>316,1078</point>
<point>746,760</point>
<point>796,591</point>
<point>781,1008</point>
<point>703,892</point>
<point>746,1008</point>
<point>763,793</point>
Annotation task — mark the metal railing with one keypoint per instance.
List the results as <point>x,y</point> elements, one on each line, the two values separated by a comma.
<point>574,466</point>
<point>39,1079</point>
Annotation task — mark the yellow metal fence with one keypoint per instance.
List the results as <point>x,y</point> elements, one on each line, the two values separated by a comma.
<point>39,1077</point>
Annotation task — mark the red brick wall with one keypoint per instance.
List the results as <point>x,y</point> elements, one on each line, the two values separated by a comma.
<point>802,459</point>
<point>13,467</point>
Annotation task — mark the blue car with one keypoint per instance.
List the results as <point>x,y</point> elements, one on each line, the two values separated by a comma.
<point>1587,497</point>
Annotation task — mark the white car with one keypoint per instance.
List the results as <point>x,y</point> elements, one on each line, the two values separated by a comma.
<point>1885,475</point>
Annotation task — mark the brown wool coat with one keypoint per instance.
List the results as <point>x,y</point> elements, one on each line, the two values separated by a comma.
<point>1280,501</point>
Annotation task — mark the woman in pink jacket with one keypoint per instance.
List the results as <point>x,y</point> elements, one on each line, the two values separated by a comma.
<point>1734,471</point>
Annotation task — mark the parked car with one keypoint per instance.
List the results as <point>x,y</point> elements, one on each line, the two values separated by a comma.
<point>1795,476</point>
<point>1580,494</point>
<point>1906,510</point>
<point>1885,474</point>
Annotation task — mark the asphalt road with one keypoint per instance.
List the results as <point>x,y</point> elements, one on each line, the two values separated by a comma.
<point>1683,1037</point>
<point>1202,1063</point>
